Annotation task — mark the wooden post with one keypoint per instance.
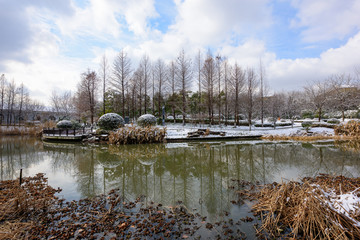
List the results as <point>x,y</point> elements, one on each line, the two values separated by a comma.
<point>20,180</point>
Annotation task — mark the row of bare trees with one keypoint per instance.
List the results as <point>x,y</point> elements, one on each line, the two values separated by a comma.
<point>15,103</point>
<point>208,89</point>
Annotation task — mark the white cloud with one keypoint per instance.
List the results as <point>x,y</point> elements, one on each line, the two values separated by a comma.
<point>326,19</point>
<point>210,22</point>
<point>287,74</point>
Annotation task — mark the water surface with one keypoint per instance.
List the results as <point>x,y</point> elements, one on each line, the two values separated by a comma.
<point>196,174</point>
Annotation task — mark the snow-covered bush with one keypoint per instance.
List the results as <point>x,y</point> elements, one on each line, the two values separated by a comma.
<point>146,120</point>
<point>307,125</point>
<point>333,121</point>
<point>111,121</point>
<point>64,124</point>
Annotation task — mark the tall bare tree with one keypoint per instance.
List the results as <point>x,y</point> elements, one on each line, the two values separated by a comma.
<point>251,85</point>
<point>104,75</point>
<point>219,74</point>
<point>237,82</point>
<point>208,82</point>
<point>161,77</point>
<point>199,65</point>
<point>23,95</point>
<point>121,75</point>
<point>173,87</point>
<point>226,83</point>
<point>262,90</point>
<point>86,94</point>
<point>145,65</point>
<point>3,83</point>
<point>184,76</point>
<point>11,96</point>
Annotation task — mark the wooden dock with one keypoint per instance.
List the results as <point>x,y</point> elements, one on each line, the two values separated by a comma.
<point>71,135</point>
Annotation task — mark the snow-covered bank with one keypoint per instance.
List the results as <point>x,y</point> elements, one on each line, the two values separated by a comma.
<point>180,131</point>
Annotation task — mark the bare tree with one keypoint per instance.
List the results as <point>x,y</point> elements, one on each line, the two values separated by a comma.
<point>173,87</point>
<point>138,79</point>
<point>184,76</point>
<point>145,65</point>
<point>11,94</point>
<point>219,77</point>
<point>208,82</point>
<point>199,66</point>
<point>62,103</point>
<point>317,93</point>
<point>23,96</point>
<point>251,85</point>
<point>237,82</point>
<point>104,75</point>
<point>161,77</point>
<point>86,94</point>
<point>262,89</point>
<point>3,83</point>
<point>343,92</point>
<point>226,81</point>
<point>122,73</point>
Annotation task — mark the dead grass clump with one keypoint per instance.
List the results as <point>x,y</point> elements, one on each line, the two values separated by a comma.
<point>137,135</point>
<point>310,209</point>
<point>20,130</point>
<point>20,204</point>
<point>351,128</point>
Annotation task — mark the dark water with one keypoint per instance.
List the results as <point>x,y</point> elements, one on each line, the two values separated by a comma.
<point>197,174</point>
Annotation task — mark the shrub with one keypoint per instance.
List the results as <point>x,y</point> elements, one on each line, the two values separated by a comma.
<point>333,121</point>
<point>64,124</point>
<point>307,125</point>
<point>111,121</point>
<point>146,120</point>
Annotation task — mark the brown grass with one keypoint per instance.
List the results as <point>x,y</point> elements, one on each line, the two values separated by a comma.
<point>351,128</point>
<point>18,204</point>
<point>300,210</point>
<point>137,135</point>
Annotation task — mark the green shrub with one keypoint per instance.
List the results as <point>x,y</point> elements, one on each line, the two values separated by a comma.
<point>64,124</point>
<point>146,120</point>
<point>110,121</point>
<point>306,124</point>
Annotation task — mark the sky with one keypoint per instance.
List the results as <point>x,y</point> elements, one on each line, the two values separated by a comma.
<point>47,44</point>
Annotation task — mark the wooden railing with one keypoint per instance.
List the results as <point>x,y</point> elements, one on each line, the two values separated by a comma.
<point>63,132</point>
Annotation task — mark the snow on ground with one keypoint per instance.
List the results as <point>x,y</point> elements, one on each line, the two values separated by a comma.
<point>180,131</point>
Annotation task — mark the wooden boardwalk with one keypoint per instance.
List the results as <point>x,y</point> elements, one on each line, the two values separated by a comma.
<point>55,134</point>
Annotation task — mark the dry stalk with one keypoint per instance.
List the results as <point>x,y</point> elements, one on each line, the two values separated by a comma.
<point>301,210</point>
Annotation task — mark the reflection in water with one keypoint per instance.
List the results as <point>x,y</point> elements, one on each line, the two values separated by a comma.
<point>198,174</point>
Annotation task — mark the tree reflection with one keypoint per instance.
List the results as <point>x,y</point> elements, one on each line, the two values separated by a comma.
<point>197,174</point>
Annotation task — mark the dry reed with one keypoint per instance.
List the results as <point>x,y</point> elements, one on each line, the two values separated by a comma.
<point>303,210</point>
<point>351,128</point>
<point>137,135</point>
<point>20,204</point>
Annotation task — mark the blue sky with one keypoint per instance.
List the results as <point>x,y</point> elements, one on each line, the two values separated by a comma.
<point>47,44</point>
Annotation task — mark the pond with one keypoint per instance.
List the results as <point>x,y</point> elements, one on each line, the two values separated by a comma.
<point>197,175</point>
